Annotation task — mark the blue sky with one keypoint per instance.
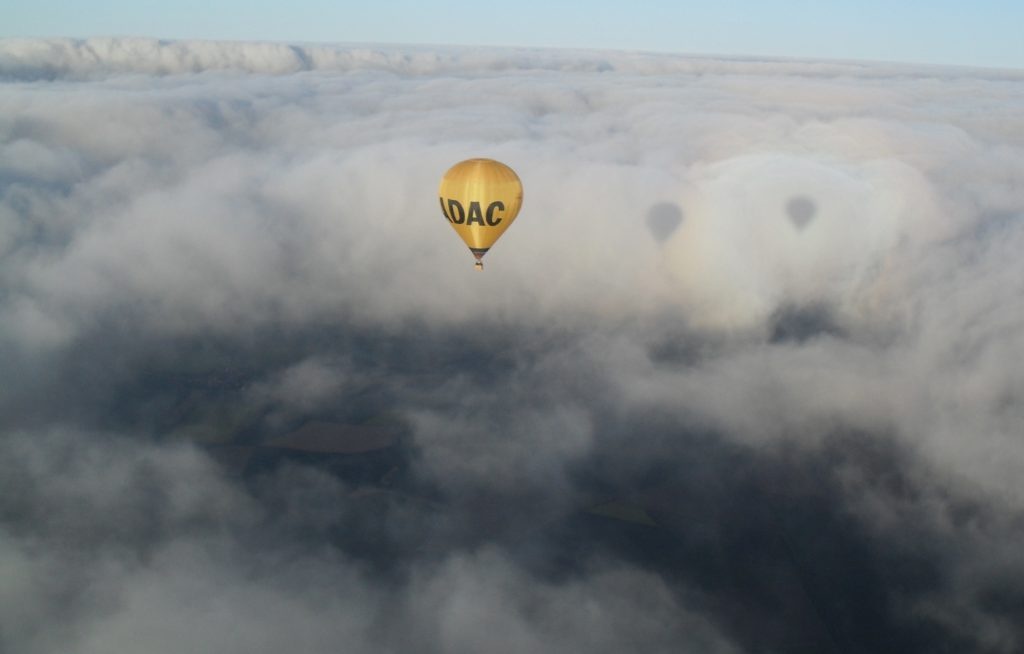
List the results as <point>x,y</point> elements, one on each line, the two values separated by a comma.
<point>983,33</point>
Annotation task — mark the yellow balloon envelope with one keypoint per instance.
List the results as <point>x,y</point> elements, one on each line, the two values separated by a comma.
<point>480,198</point>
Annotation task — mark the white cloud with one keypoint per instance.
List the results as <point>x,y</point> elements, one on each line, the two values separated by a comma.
<point>846,259</point>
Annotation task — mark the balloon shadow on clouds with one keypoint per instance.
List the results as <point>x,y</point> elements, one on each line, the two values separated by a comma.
<point>801,211</point>
<point>663,219</point>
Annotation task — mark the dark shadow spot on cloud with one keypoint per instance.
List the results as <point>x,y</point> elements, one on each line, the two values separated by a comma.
<point>993,225</point>
<point>305,62</point>
<point>801,211</point>
<point>663,219</point>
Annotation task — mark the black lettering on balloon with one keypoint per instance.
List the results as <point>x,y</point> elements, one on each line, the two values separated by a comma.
<point>444,210</point>
<point>491,208</point>
<point>459,217</point>
<point>475,215</point>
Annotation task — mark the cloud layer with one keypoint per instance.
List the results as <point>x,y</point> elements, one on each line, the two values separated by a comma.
<point>742,377</point>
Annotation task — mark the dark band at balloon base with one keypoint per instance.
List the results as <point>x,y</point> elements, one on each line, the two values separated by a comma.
<point>479,252</point>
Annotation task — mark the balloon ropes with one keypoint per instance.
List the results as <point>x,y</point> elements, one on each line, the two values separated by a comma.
<point>480,198</point>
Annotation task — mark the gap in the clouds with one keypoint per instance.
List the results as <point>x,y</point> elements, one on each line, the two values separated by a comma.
<point>769,535</point>
<point>797,324</point>
<point>674,344</point>
<point>764,539</point>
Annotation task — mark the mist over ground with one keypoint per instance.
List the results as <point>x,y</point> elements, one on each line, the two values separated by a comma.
<point>743,377</point>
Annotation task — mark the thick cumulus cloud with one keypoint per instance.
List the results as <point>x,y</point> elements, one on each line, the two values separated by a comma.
<point>742,377</point>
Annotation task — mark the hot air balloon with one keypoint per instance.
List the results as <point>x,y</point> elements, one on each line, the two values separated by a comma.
<point>480,198</point>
